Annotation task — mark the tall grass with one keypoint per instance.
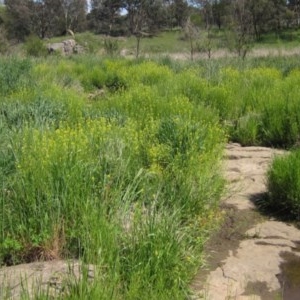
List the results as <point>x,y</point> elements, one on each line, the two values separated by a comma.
<point>117,162</point>
<point>283,186</point>
<point>129,181</point>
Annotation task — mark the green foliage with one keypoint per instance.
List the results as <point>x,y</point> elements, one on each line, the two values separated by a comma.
<point>258,105</point>
<point>117,162</point>
<point>4,43</point>
<point>14,75</point>
<point>90,42</point>
<point>239,43</point>
<point>34,46</point>
<point>283,180</point>
<point>111,46</point>
<point>129,182</point>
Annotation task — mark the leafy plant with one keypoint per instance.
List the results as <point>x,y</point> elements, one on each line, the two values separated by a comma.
<point>111,46</point>
<point>283,179</point>
<point>4,43</point>
<point>34,46</point>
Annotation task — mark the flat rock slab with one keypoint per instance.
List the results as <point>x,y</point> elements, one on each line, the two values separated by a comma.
<point>51,278</point>
<point>257,259</point>
<point>255,267</point>
<point>245,169</point>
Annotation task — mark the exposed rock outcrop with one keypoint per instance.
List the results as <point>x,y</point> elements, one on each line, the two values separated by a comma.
<point>262,256</point>
<point>52,278</point>
<point>66,47</point>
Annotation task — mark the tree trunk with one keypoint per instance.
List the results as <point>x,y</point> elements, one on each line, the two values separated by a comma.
<point>138,40</point>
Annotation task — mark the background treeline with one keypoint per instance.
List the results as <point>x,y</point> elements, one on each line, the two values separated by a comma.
<point>47,18</point>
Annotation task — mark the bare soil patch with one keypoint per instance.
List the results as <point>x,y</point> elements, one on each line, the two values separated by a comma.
<point>220,53</point>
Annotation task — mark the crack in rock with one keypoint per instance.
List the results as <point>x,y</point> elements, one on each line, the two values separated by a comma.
<point>224,274</point>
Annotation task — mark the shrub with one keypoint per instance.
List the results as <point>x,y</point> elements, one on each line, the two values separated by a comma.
<point>4,44</point>
<point>14,75</point>
<point>111,46</point>
<point>283,182</point>
<point>89,41</point>
<point>34,46</point>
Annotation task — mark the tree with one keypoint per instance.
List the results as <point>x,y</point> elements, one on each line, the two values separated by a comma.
<point>43,18</point>
<point>261,14</point>
<point>181,12</point>
<point>278,10</point>
<point>18,18</point>
<point>74,14</point>
<point>220,11</point>
<point>240,34</point>
<point>192,32</point>
<point>145,18</point>
<point>206,11</point>
<point>105,15</point>
<point>294,7</point>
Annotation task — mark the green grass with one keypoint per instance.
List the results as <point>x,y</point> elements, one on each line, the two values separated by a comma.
<point>285,38</point>
<point>164,42</point>
<point>117,162</point>
<point>283,186</point>
<point>174,41</point>
<point>127,180</point>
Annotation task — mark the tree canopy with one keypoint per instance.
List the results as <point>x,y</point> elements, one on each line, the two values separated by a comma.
<point>46,18</point>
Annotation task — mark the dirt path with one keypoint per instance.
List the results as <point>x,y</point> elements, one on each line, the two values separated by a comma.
<point>220,53</point>
<point>259,52</point>
<point>252,256</point>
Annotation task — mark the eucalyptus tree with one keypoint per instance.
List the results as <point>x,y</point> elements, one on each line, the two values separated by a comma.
<point>18,20</point>
<point>180,11</point>
<point>261,14</point>
<point>145,18</point>
<point>106,14</point>
<point>44,18</point>
<point>294,7</point>
<point>240,30</point>
<point>73,14</point>
<point>279,10</point>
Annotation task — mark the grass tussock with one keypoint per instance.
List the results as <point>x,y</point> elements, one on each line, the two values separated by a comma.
<point>127,180</point>
<point>283,180</point>
<point>117,162</point>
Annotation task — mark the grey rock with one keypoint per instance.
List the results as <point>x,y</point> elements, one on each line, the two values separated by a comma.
<point>66,47</point>
<point>51,278</point>
<point>259,257</point>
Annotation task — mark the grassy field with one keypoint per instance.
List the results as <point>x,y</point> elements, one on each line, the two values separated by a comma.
<point>173,42</point>
<point>118,162</point>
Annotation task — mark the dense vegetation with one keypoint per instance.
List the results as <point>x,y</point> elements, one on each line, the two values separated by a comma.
<point>240,23</point>
<point>117,162</point>
<point>110,162</point>
<point>283,185</point>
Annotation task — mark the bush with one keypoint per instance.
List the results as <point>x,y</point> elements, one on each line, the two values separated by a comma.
<point>90,42</point>
<point>283,182</point>
<point>4,44</point>
<point>111,46</point>
<point>14,75</point>
<point>35,47</point>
